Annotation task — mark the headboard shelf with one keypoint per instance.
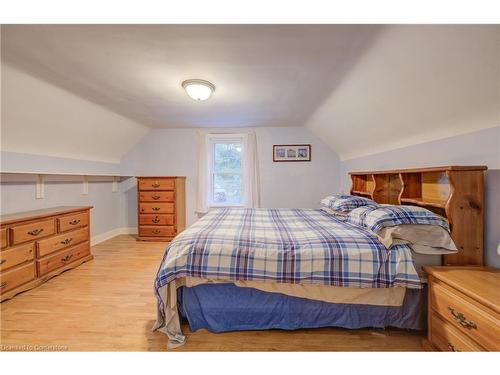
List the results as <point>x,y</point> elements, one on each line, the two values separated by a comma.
<point>455,192</point>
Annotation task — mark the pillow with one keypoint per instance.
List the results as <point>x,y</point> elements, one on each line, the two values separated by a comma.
<point>376,218</point>
<point>345,203</point>
<point>338,214</point>
<point>424,238</point>
<point>406,224</point>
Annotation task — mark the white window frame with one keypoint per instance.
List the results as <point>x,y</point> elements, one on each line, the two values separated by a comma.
<point>227,138</point>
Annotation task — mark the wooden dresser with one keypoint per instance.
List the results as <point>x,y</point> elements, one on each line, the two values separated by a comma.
<point>161,207</point>
<point>464,309</point>
<point>454,192</point>
<point>37,245</point>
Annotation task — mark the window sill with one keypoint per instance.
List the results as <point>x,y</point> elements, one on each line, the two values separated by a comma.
<point>227,206</point>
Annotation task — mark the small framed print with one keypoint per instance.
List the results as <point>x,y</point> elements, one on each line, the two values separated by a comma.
<point>291,153</point>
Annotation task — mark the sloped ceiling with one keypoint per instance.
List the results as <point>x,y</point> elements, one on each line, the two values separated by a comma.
<point>361,88</point>
<point>264,75</point>
<point>414,84</point>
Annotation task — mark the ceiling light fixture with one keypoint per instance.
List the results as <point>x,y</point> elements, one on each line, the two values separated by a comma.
<point>198,89</point>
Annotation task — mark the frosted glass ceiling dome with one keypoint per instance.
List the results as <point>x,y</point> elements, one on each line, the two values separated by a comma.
<point>198,89</point>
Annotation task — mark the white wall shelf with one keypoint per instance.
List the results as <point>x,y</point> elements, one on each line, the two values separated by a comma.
<point>40,178</point>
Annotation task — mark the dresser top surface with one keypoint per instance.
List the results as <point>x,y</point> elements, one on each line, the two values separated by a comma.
<point>38,214</point>
<point>480,283</point>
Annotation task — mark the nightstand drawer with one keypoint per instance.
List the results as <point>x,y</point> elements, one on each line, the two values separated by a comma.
<point>465,315</point>
<point>448,339</point>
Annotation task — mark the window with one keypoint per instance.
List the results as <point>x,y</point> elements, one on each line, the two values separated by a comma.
<point>226,170</point>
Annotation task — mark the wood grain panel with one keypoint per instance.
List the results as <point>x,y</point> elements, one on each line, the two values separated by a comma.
<point>156,196</point>
<point>3,238</point>
<point>73,221</point>
<point>151,219</point>
<point>32,231</point>
<point>62,258</point>
<point>448,339</point>
<point>156,231</point>
<point>16,255</point>
<point>16,277</point>
<point>156,184</point>
<point>156,208</point>
<point>62,241</point>
<point>479,324</point>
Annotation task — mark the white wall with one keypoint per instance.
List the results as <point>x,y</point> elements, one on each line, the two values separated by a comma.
<point>108,214</point>
<point>174,152</point>
<point>42,119</point>
<point>413,84</point>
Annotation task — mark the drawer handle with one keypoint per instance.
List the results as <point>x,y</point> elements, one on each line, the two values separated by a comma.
<point>3,261</point>
<point>3,285</point>
<point>156,197</point>
<point>451,348</point>
<point>156,231</point>
<point>156,208</point>
<point>74,222</point>
<point>67,257</point>
<point>156,185</point>
<point>67,241</point>
<point>156,220</point>
<point>35,232</point>
<point>460,318</point>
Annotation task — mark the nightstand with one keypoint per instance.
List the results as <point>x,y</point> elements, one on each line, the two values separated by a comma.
<point>464,309</point>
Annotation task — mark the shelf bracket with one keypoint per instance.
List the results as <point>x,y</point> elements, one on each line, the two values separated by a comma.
<point>85,185</point>
<point>114,185</point>
<point>40,187</point>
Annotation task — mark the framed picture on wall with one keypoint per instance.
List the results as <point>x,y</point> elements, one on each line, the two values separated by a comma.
<point>291,153</point>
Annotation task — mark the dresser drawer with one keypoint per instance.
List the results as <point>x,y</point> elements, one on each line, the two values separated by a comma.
<point>156,208</point>
<point>156,184</point>
<point>16,277</point>
<point>32,231</point>
<point>16,255</point>
<point>156,231</point>
<point>149,219</point>
<point>466,316</point>
<point>73,221</point>
<point>62,241</point>
<point>156,196</point>
<point>62,258</point>
<point>3,238</point>
<point>449,339</point>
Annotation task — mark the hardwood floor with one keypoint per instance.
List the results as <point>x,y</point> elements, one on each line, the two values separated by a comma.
<point>107,304</point>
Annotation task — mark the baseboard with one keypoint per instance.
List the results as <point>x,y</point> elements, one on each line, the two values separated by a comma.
<point>112,233</point>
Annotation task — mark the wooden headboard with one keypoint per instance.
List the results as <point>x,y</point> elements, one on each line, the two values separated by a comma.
<point>455,192</point>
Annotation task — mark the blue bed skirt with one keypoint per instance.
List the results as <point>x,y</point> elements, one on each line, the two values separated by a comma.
<point>226,307</point>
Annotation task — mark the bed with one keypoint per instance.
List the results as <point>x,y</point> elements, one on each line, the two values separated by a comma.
<point>246,269</point>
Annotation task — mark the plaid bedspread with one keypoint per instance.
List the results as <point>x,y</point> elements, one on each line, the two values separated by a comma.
<point>286,246</point>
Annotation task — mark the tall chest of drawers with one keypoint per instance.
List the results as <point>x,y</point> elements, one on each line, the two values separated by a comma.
<point>464,309</point>
<point>160,207</point>
<point>37,245</point>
